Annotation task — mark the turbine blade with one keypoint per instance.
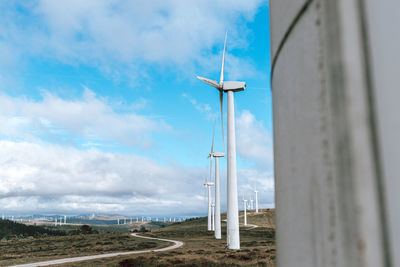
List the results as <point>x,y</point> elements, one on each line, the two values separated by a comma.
<point>221,101</point>
<point>221,78</point>
<point>209,81</point>
<point>212,144</point>
<point>211,160</point>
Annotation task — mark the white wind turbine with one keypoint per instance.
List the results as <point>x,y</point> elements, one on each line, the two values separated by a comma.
<point>217,196</point>
<point>229,87</point>
<point>251,203</point>
<point>256,192</point>
<point>213,217</point>
<point>208,185</point>
<point>244,210</point>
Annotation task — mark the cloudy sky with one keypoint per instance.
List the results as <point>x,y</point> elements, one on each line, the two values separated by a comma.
<point>100,110</point>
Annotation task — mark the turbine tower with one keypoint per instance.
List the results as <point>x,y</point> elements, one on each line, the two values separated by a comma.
<point>217,195</point>
<point>256,192</point>
<point>251,203</point>
<point>229,87</point>
<point>217,204</point>
<point>213,217</point>
<point>244,210</point>
<point>208,186</point>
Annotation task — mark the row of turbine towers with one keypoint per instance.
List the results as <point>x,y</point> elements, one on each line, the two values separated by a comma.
<point>214,209</point>
<point>249,206</point>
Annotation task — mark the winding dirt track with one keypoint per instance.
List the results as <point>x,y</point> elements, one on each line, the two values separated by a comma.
<point>176,244</point>
<point>251,226</point>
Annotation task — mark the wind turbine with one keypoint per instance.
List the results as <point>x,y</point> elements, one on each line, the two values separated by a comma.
<point>251,203</point>
<point>208,186</point>
<point>244,210</point>
<point>256,192</point>
<point>217,217</point>
<point>229,87</point>
<point>213,217</point>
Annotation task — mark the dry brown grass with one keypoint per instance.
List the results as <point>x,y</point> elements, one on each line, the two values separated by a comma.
<point>201,249</point>
<point>40,249</point>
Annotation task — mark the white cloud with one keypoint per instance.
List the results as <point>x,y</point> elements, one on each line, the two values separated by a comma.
<point>201,107</point>
<point>262,180</point>
<point>124,34</point>
<point>90,118</point>
<point>253,141</point>
<point>49,178</point>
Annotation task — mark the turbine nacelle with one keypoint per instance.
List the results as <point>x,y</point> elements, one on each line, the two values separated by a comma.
<point>234,86</point>
<point>208,184</point>
<point>216,154</point>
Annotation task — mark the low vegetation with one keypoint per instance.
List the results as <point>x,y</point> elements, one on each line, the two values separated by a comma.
<point>200,249</point>
<point>13,230</point>
<point>78,241</point>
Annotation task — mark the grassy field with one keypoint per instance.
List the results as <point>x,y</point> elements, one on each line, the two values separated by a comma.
<point>201,249</point>
<point>39,249</point>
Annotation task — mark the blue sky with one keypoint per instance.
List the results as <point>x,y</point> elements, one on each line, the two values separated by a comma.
<point>101,110</point>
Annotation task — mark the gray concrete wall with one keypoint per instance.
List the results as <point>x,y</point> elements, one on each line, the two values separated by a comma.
<point>336,131</point>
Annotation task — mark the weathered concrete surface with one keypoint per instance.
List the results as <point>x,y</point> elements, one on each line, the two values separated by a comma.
<point>335,158</point>
<point>383,22</point>
<point>290,8</point>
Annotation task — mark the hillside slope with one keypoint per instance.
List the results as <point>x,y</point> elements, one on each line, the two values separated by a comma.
<point>10,229</point>
<point>202,249</point>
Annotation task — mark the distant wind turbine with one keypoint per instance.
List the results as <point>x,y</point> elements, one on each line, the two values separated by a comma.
<point>217,196</point>
<point>208,186</point>
<point>213,217</point>
<point>256,192</point>
<point>244,211</point>
<point>229,87</point>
